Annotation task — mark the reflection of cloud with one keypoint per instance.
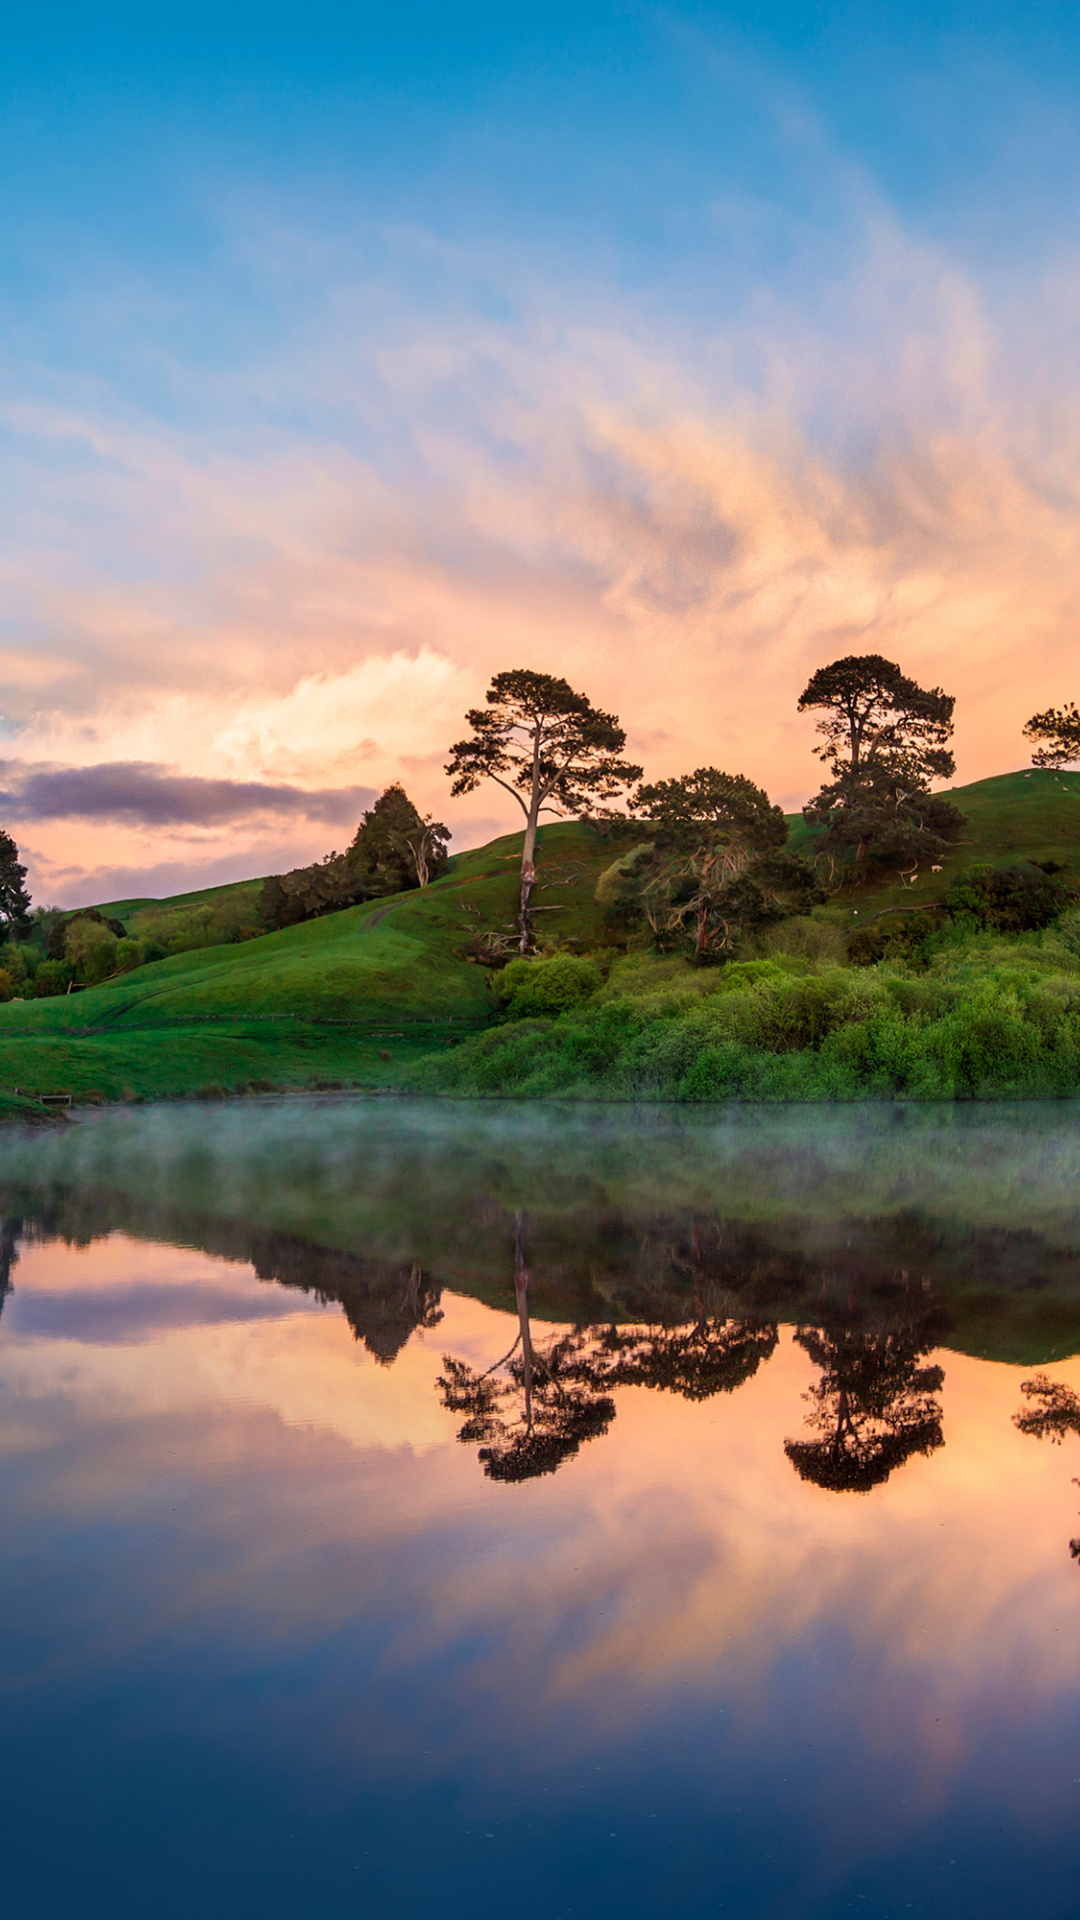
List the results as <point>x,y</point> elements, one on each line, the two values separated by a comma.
<point>266,1498</point>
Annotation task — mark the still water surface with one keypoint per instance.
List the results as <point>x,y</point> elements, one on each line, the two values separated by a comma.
<point>430,1510</point>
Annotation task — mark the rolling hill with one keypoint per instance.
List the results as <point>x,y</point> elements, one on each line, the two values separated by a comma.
<point>351,998</point>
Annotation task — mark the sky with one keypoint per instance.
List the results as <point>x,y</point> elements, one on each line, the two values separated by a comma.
<point>348,358</point>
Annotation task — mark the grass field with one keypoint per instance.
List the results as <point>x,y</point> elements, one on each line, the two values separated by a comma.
<point>349,999</point>
<point>358,998</point>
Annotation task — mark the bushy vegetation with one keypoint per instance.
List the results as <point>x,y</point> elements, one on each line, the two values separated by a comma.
<point>394,848</point>
<point>985,1017</point>
<point>368,994</point>
<point>59,953</point>
<point>548,986</point>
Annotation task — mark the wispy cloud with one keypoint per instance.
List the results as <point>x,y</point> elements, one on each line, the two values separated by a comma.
<point>300,576</point>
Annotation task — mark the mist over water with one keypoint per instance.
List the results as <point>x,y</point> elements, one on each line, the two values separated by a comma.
<point>417,1507</point>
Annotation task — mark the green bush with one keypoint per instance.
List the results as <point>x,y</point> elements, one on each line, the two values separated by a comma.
<point>1010,899</point>
<point>898,937</point>
<point>52,977</point>
<point>988,1017</point>
<point>549,986</point>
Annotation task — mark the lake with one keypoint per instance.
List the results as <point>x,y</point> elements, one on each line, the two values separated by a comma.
<point>427,1509</point>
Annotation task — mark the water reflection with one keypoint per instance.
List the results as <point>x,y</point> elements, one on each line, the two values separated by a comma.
<point>1052,1411</point>
<point>532,1409</point>
<point>874,1405</point>
<point>275,1642</point>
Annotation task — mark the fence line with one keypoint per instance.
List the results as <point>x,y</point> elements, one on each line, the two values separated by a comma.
<point>374,1024</point>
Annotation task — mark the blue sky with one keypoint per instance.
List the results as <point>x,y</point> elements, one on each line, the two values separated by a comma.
<point>346,354</point>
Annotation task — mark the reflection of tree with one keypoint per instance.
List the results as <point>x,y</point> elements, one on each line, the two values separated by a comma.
<point>10,1235</point>
<point>534,1408</point>
<point>384,1303</point>
<point>874,1405</point>
<point>710,1356</point>
<point>1053,1410</point>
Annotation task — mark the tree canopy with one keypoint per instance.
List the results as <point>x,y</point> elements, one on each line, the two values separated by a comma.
<point>874,1405</point>
<point>549,748</point>
<point>394,848</point>
<point>715,863</point>
<point>1058,730</point>
<point>14,899</point>
<point>883,739</point>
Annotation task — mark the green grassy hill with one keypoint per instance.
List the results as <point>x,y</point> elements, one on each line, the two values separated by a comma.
<point>1012,817</point>
<point>132,911</point>
<point>353,998</point>
<point>346,999</point>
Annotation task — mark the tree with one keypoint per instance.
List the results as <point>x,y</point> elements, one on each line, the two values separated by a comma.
<point>534,1408</point>
<point>396,847</point>
<point>1053,1410</point>
<point>548,747</point>
<point>14,899</point>
<point>874,1406</point>
<point>883,741</point>
<point>393,848</point>
<point>1059,729</point>
<point>698,1360</point>
<point>716,862</point>
<point>327,886</point>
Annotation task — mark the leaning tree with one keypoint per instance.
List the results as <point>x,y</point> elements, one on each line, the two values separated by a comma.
<point>1058,733</point>
<point>547,746</point>
<point>883,739</point>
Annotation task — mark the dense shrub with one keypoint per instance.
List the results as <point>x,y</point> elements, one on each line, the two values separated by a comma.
<point>217,922</point>
<point>992,1018</point>
<point>900,936</point>
<point>1010,899</point>
<point>51,977</point>
<point>548,986</point>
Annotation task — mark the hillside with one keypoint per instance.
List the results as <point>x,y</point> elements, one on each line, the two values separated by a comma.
<point>356,997</point>
<point>1013,816</point>
<point>342,1000</point>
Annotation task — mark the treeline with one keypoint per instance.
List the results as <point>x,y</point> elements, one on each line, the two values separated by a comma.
<point>704,858</point>
<point>49,952</point>
<point>394,848</point>
<point>713,861</point>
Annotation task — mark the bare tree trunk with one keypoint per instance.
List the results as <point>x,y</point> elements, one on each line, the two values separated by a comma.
<point>419,850</point>
<point>528,881</point>
<point>521,1295</point>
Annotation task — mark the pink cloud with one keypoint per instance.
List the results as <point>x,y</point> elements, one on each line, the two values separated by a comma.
<point>684,525</point>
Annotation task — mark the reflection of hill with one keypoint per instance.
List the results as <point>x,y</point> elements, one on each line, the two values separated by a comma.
<point>384,1301</point>
<point>999,1292</point>
<point>382,1304</point>
<point>633,1218</point>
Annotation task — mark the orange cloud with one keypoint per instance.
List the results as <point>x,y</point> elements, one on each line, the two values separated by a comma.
<point>685,525</point>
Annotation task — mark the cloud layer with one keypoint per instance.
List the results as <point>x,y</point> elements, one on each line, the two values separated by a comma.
<point>276,594</point>
<point>138,793</point>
